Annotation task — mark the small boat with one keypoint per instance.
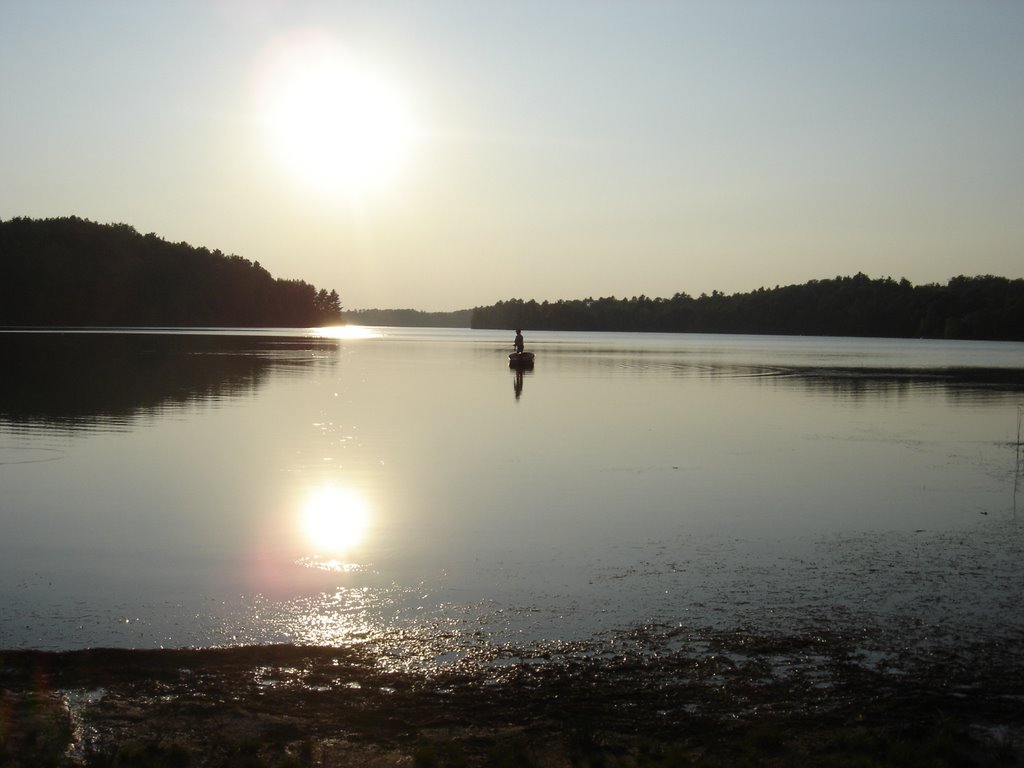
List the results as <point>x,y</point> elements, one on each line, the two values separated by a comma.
<point>520,360</point>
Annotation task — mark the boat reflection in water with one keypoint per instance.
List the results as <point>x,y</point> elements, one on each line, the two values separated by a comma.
<point>517,384</point>
<point>520,362</point>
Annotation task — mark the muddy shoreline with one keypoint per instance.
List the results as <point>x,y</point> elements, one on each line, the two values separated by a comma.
<point>734,698</point>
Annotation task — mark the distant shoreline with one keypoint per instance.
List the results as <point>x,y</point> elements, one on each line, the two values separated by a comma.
<point>982,308</point>
<point>71,272</point>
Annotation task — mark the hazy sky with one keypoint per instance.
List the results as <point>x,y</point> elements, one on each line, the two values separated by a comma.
<point>442,154</point>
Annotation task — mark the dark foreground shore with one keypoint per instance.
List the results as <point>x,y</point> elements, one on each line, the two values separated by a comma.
<point>733,699</point>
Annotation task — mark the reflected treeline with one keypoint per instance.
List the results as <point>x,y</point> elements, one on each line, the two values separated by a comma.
<point>840,382</point>
<point>958,384</point>
<point>859,383</point>
<point>80,380</point>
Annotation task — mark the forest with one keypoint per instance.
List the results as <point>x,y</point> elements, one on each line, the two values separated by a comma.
<point>74,272</point>
<point>409,318</point>
<point>983,307</point>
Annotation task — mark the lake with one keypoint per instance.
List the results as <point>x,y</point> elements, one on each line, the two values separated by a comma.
<point>405,490</point>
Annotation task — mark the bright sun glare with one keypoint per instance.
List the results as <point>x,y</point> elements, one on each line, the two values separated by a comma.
<point>335,520</point>
<point>333,123</point>
<point>347,332</point>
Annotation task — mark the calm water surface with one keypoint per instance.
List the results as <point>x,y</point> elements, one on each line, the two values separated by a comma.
<point>406,489</point>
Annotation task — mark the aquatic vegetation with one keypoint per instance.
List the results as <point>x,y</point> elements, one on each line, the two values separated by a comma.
<point>727,699</point>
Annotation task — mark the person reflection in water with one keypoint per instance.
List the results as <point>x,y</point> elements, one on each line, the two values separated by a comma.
<point>519,341</point>
<point>517,385</point>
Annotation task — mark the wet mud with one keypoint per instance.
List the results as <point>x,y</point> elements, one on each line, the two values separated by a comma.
<point>655,699</point>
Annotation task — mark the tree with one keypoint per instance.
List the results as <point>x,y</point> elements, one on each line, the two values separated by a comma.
<point>70,271</point>
<point>983,307</point>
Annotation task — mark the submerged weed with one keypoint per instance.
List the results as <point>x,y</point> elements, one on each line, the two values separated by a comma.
<point>448,754</point>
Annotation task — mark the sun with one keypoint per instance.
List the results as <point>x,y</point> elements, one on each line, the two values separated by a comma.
<point>333,123</point>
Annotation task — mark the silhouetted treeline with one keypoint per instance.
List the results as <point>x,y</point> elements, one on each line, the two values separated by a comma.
<point>984,307</point>
<point>75,272</point>
<point>409,318</point>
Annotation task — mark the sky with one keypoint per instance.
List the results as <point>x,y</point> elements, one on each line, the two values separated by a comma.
<point>445,154</point>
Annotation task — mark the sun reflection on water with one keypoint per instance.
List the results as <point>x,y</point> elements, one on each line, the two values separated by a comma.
<point>332,564</point>
<point>345,332</point>
<point>334,521</point>
<point>344,617</point>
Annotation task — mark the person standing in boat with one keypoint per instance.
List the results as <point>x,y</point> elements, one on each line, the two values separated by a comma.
<point>519,341</point>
